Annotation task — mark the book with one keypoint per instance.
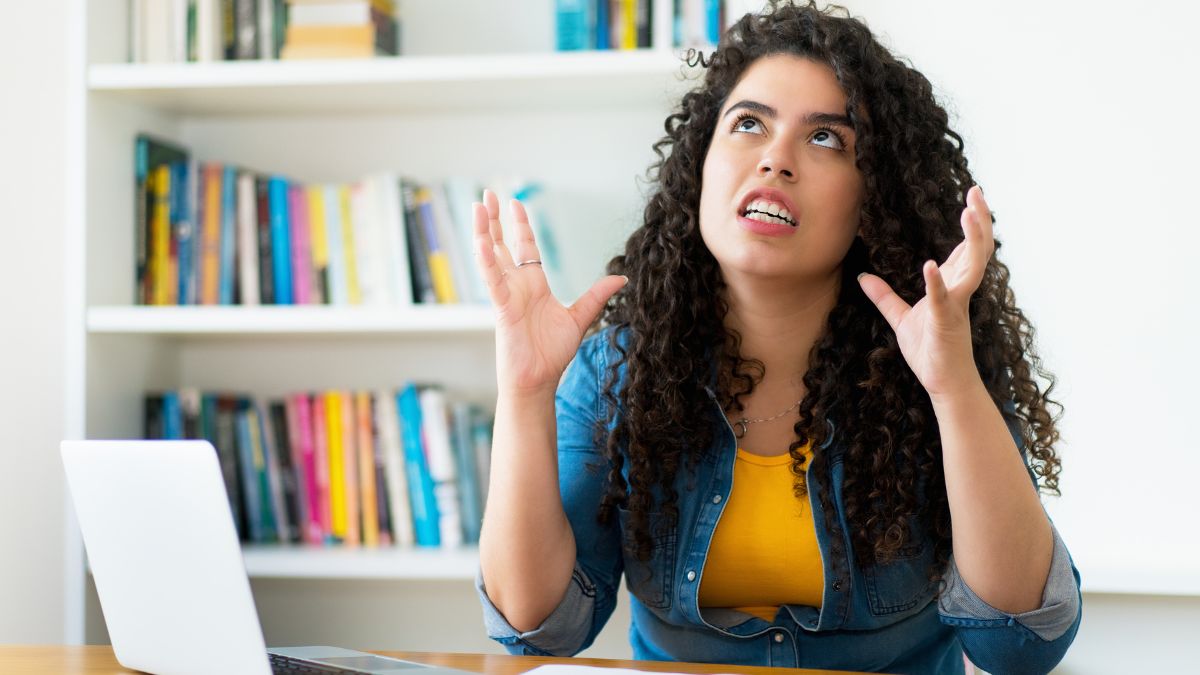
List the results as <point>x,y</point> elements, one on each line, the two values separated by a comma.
<point>471,507</point>
<point>424,507</point>
<point>574,20</point>
<point>281,249</point>
<point>273,470</point>
<point>339,290</point>
<point>182,229</point>
<point>266,269</point>
<point>300,428</point>
<point>442,467</point>
<point>421,279</point>
<point>210,263</point>
<point>302,274</point>
<point>290,473</point>
<point>321,465</point>
<point>249,462</point>
<point>160,230</point>
<point>318,245</point>
<point>382,506</point>
<point>396,241</point>
<point>399,506</point>
<point>349,249</point>
<point>337,465</point>
<point>365,441</point>
<point>247,232</point>
<point>228,262</point>
<point>350,468</point>
<point>435,253</point>
<point>219,425</point>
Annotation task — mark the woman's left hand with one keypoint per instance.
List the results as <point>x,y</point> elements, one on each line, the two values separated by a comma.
<point>935,334</point>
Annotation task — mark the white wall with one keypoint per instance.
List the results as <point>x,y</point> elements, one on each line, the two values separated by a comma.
<point>1079,121</point>
<point>33,68</point>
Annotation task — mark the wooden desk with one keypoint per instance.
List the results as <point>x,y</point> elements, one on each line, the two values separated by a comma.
<point>92,660</point>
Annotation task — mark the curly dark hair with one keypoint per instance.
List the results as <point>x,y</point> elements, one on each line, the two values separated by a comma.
<point>669,327</point>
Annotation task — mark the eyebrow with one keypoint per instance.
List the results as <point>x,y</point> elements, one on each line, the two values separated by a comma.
<point>815,117</point>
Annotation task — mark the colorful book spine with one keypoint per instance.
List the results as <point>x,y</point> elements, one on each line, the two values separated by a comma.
<point>160,229</point>
<point>439,261</point>
<point>320,429</point>
<point>420,483</point>
<point>228,236</point>
<point>302,405</point>
<point>281,250</point>
<point>266,270</point>
<point>210,252</point>
<point>319,245</point>
<point>183,228</point>
<point>366,469</point>
<point>339,292</point>
<point>247,230</point>
<point>273,469</point>
<point>350,471</point>
<point>301,244</point>
<point>337,464</point>
<point>249,474</point>
<point>353,290</point>
<point>399,505</point>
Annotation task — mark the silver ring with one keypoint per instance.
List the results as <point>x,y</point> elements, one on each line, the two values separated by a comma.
<point>527,262</point>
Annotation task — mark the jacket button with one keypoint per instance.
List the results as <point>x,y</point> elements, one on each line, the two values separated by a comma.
<point>837,585</point>
<point>716,499</point>
<point>779,637</point>
<point>691,575</point>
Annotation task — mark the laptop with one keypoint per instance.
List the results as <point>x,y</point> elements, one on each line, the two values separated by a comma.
<point>168,567</point>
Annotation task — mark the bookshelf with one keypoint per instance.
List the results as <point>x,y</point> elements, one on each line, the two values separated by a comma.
<point>486,99</point>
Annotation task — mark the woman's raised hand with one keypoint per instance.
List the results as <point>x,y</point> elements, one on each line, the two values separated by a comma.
<point>536,335</point>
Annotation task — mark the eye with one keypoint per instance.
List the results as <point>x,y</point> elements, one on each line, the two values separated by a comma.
<point>745,123</point>
<point>828,138</point>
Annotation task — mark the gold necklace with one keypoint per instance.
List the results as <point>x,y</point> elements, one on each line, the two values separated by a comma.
<point>743,423</point>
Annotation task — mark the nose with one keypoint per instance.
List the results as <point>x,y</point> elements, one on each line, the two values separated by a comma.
<point>775,160</point>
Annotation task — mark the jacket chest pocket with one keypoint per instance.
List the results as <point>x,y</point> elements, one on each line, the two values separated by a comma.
<point>650,581</point>
<point>901,584</point>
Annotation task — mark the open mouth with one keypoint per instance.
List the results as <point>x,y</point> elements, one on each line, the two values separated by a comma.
<point>769,214</point>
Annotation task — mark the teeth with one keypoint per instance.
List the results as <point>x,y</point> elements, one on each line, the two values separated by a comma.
<point>771,208</point>
<point>767,218</point>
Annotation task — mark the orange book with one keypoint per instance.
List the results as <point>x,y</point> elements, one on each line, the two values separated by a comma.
<point>337,478</point>
<point>366,469</point>
<point>362,34</point>
<point>350,470</point>
<point>210,250</point>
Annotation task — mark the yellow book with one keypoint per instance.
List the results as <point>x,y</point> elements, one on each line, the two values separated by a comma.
<point>628,24</point>
<point>350,464</point>
<point>366,469</point>
<point>319,244</point>
<point>160,223</point>
<point>337,477</point>
<point>353,292</point>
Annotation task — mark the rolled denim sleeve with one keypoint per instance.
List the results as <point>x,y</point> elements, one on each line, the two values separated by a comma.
<point>1029,642</point>
<point>591,594</point>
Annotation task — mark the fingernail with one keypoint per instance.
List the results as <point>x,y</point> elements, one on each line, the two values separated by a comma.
<point>861,275</point>
<point>625,278</point>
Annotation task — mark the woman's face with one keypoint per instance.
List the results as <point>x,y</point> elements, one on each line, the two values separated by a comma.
<point>782,142</point>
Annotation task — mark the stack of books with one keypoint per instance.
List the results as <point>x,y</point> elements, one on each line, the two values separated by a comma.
<point>335,29</point>
<point>341,467</point>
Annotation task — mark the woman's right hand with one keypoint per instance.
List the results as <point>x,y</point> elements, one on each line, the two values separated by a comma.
<point>536,335</point>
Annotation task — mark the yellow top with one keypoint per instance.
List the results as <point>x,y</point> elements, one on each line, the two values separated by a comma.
<point>764,551</point>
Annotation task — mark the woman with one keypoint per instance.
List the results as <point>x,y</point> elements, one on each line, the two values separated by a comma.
<point>774,422</point>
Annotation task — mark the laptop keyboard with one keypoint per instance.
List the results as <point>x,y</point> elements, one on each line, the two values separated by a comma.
<point>286,665</point>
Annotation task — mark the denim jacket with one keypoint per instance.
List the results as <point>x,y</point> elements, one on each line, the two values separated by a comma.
<point>881,618</point>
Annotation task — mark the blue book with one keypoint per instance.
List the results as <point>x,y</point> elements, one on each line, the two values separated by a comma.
<point>425,513</point>
<point>181,225</point>
<point>250,492</point>
<point>574,29</point>
<point>713,9</point>
<point>172,416</point>
<point>602,27</point>
<point>228,237</point>
<point>281,241</point>
<point>461,414</point>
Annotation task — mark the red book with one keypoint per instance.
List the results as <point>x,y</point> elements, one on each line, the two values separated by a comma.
<point>299,417</point>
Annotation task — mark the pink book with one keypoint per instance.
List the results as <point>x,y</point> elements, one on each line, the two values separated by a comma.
<point>301,257</point>
<point>300,411</point>
<point>321,464</point>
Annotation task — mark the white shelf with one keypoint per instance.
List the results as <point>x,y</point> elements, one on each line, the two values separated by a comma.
<point>275,320</point>
<point>571,80</point>
<point>310,562</point>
